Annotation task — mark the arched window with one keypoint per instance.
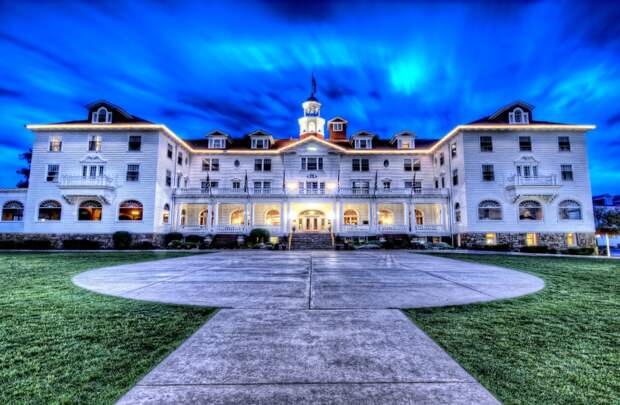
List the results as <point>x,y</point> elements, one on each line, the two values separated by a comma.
<point>236,217</point>
<point>386,217</point>
<point>183,218</point>
<point>518,116</point>
<point>569,209</point>
<point>457,212</point>
<point>272,217</point>
<point>530,210</point>
<point>13,211</point>
<point>90,211</point>
<point>130,210</point>
<point>351,217</point>
<point>102,116</point>
<point>490,210</point>
<point>165,218</point>
<point>419,217</point>
<point>50,210</point>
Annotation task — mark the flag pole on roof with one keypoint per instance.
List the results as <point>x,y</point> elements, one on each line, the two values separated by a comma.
<point>313,84</point>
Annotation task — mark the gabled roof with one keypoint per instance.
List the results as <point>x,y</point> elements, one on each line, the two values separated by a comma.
<point>119,115</point>
<point>402,133</point>
<point>363,133</point>
<point>217,132</point>
<point>514,104</point>
<point>338,119</point>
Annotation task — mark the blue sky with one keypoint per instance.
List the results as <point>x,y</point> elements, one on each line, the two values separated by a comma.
<point>241,66</point>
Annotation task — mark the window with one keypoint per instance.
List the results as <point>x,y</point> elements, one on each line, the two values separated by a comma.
<point>453,150</point>
<point>525,144</point>
<point>569,210</point>
<point>436,183</point>
<point>412,165</point>
<point>443,182</point>
<point>567,172</point>
<point>55,143</point>
<point>311,163</point>
<point>133,172</point>
<point>404,143</point>
<point>272,217</point>
<point>207,186</point>
<point>130,210</point>
<point>442,159</point>
<point>94,143</point>
<point>457,212</point>
<point>360,186</point>
<point>363,144</point>
<point>13,211</point>
<point>337,126</point>
<point>217,143</point>
<point>165,217</point>
<point>419,217</point>
<point>262,187</point>
<point>135,143</point>
<point>518,116</point>
<point>236,217</point>
<point>236,184</point>
<point>417,186</point>
<point>455,177</point>
<point>570,239</point>
<point>90,211</point>
<point>210,165</point>
<point>50,210</point>
<point>488,174</point>
<point>530,210</point>
<point>489,210</point>
<point>168,178</point>
<point>183,218</point>
<point>387,184</point>
<point>486,144</point>
<point>53,171</point>
<point>564,143</point>
<point>180,159</point>
<point>360,165</point>
<point>527,170</point>
<point>386,217</point>
<point>262,165</point>
<point>260,143</point>
<point>170,151</point>
<point>531,239</point>
<point>386,163</point>
<point>490,238</point>
<point>102,116</point>
<point>93,171</point>
<point>312,187</point>
<point>351,217</point>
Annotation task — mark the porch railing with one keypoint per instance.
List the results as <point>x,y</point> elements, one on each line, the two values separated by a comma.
<point>87,181</point>
<point>515,180</point>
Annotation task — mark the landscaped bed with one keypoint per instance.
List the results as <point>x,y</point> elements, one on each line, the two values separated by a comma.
<point>560,345</point>
<point>62,344</point>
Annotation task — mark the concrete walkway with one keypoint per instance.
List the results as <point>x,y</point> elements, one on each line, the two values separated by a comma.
<point>309,327</point>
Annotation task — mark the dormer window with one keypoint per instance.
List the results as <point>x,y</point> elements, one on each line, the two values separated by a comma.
<point>337,126</point>
<point>518,116</point>
<point>217,143</point>
<point>404,143</point>
<point>258,143</point>
<point>363,144</point>
<point>102,116</point>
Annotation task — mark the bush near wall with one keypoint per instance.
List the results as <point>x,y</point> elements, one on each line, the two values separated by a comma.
<point>81,244</point>
<point>27,244</point>
<point>536,249</point>
<point>169,237</point>
<point>258,235</point>
<point>121,240</point>
<point>494,248</point>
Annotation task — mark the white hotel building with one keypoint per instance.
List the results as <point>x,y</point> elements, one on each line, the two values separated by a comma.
<point>506,178</point>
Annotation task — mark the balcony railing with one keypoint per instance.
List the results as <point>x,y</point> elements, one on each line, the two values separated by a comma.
<point>429,228</point>
<point>392,228</point>
<point>342,192</point>
<point>87,181</point>
<point>516,180</point>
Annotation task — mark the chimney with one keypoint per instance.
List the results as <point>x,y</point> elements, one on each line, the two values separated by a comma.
<point>337,129</point>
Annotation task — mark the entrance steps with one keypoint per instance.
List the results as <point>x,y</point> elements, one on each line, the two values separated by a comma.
<point>311,241</point>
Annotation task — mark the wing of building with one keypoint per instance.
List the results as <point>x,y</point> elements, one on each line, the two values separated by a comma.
<point>503,179</point>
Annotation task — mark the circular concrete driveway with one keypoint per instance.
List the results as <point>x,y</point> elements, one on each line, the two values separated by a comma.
<point>315,280</point>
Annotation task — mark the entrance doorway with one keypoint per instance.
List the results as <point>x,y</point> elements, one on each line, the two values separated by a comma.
<point>313,221</point>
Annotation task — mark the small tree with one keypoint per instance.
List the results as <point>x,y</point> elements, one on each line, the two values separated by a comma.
<point>258,235</point>
<point>25,171</point>
<point>607,223</point>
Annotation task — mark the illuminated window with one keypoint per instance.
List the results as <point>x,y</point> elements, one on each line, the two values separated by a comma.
<point>570,239</point>
<point>13,211</point>
<point>55,143</point>
<point>351,217</point>
<point>419,217</point>
<point>530,210</point>
<point>236,217</point>
<point>183,219</point>
<point>272,217</point>
<point>130,210</point>
<point>202,218</point>
<point>386,217</point>
<point>490,238</point>
<point>50,210</point>
<point>531,239</point>
<point>90,211</point>
<point>166,214</point>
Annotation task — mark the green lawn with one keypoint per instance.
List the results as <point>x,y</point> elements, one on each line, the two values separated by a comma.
<point>62,344</point>
<point>560,345</point>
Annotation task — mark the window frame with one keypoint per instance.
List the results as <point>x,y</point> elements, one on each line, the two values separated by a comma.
<point>127,177</point>
<point>576,205</point>
<point>6,208</point>
<point>490,205</point>
<point>485,173</point>
<point>564,143</point>
<point>486,143</point>
<point>131,140</point>
<point>54,143</point>
<point>56,178</point>
<point>120,207</point>
<point>538,207</point>
<point>525,146</point>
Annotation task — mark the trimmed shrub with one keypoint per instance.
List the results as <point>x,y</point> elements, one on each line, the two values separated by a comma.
<point>172,236</point>
<point>175,244</point>
<point>583,251</point>
<point>494,248</point>
<point>143,245</point>
<point>81,244</point>
<point>195,239</point>
<point>258,235</point>
<point>396,242</point>
<point>121,240</point>
<point>36,244</point>
<point>9,244</point>
<point>534,249</point>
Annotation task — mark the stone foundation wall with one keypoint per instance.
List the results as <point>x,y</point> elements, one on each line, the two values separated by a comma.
<point>555,240</point>
<point>157,239</point>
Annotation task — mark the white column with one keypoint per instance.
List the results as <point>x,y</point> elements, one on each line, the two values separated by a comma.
<point>371,220</point>
<point>289,220</point>
<point>282,218</point>
<point>217,214</point>
<point>406,216</point>
<point>208,219</point>
<point>341,216</point>
<point>607,244</point>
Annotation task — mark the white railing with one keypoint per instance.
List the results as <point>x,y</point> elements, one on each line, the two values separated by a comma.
<point>230,228</point>
<point>86,181</point>
<point>355,228</point>
<point>516,180</point>
<point>277,191</point>
<point>428,228</point>
<point>392,228</point>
